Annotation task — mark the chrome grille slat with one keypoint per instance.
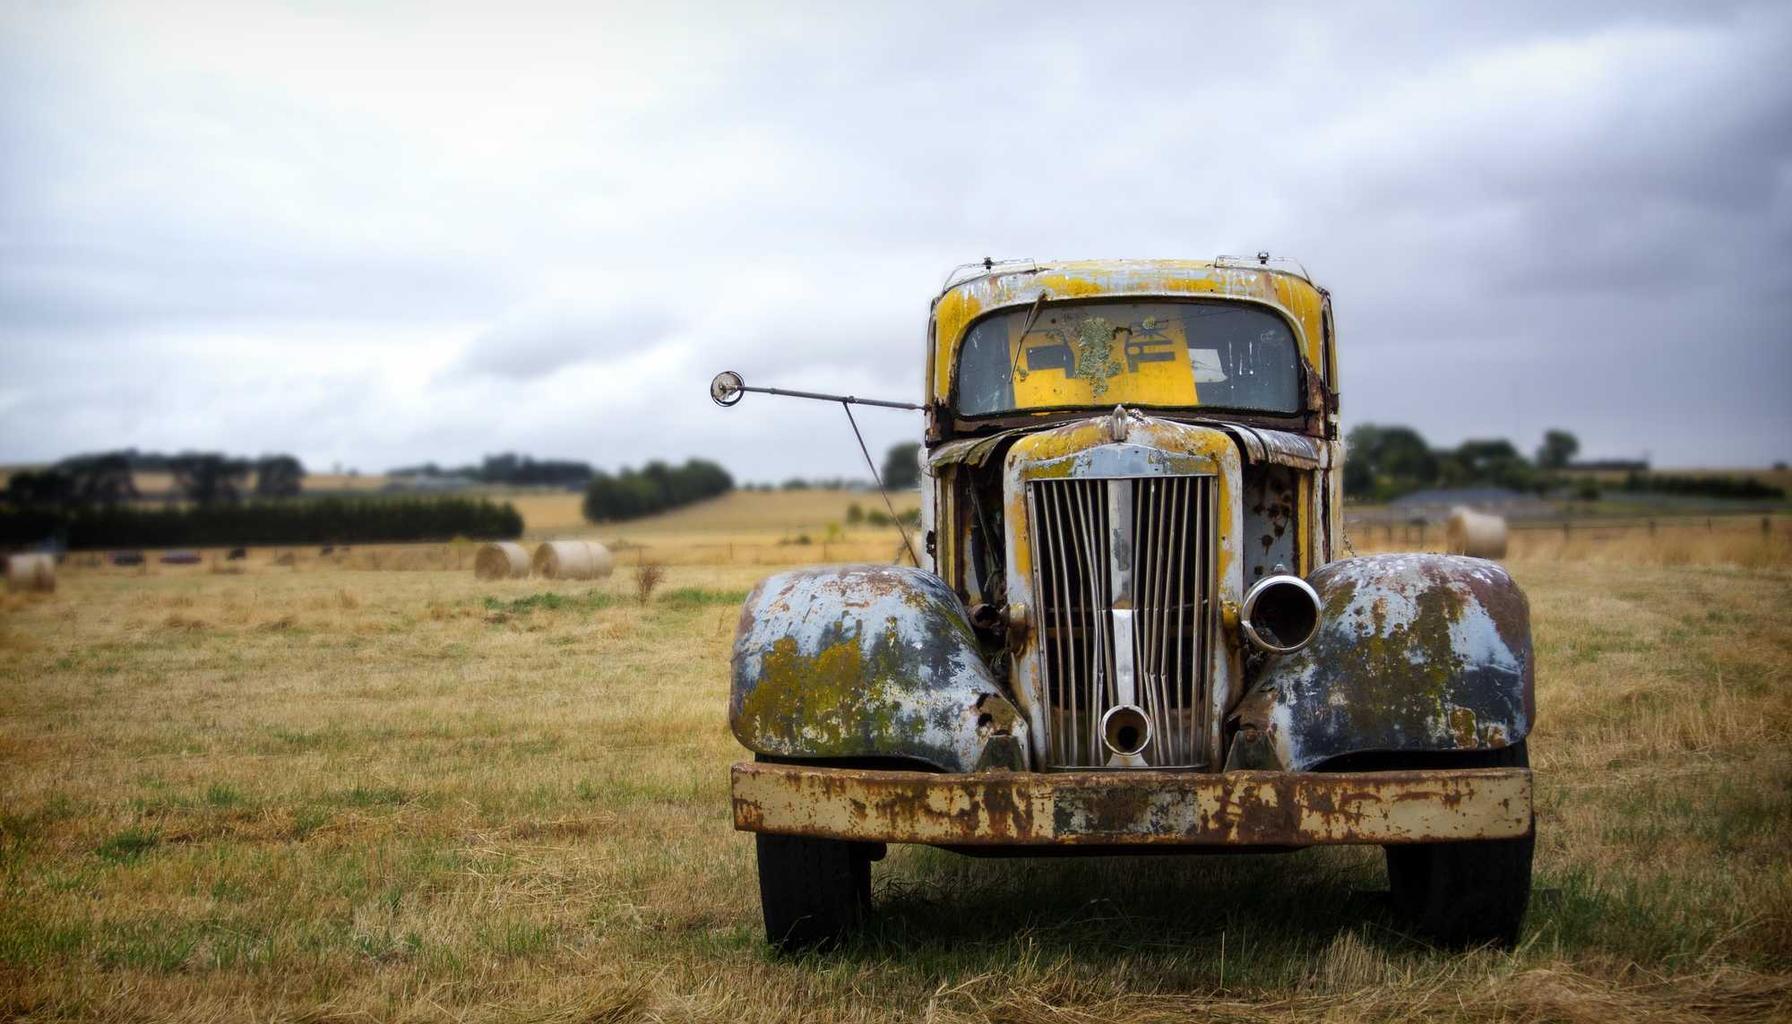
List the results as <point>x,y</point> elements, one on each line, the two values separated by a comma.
<point>1166,622</point>
<point>1094,564</point>
<point>1186,523</point>
<point>1155,599</point>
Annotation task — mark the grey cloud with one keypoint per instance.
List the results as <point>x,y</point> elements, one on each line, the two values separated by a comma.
<point>539,344</point>
<point>1534,215</point>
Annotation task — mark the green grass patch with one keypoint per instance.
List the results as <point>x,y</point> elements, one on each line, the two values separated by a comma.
<point>373,796</point>
<point>220,795</point>
<point>128,845</point>
<point>590,600</point>
<point>699,597</point>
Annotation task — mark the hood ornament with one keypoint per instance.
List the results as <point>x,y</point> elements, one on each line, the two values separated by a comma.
<point>1120,423</point>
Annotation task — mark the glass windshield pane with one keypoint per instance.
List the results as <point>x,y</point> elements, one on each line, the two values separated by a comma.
<point>1224,355</point>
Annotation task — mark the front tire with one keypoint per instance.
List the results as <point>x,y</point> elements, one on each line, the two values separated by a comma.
<point>1466,893</point>
<point>813,891</point>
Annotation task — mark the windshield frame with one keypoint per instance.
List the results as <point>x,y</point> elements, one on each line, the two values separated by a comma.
<point>964,422</point>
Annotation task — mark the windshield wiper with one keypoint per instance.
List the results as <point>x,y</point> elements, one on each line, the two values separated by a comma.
<point>1026,329</point>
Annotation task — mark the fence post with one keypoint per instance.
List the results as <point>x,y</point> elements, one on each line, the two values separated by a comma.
<point>1566,526</point>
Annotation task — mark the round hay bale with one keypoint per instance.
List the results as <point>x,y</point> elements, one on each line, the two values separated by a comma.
<point>501,561</point>
<point>573,560</point>
<point>31,572</point>
<point>1476,533</point>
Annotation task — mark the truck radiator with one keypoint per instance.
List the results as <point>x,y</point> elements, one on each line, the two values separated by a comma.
<point>1123,577</point>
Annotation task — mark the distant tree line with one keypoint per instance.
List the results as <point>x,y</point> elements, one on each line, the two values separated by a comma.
<point>820,483</point>
<point>901,471</point>
<point>655,487</point>
<point>1385,462</point>
<point>328,520</point>
<point>107,478</point>
<point>1702,486</point>
<point>510,468</point>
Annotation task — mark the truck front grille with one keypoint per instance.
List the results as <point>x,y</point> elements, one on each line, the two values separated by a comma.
<point>1123,579</point>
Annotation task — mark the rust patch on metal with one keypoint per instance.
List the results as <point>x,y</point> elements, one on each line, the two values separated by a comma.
<point>1414,653</point>
<point>1241,808</point>
<point>863,661</point>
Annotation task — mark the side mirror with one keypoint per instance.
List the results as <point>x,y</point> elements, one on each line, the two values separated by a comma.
<point>726,388</point>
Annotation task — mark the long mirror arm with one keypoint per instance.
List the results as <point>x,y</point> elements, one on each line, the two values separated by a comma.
<point>727,387</point>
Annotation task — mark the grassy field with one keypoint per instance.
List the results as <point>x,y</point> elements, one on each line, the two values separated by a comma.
<point>741,527</point>
<point>324,792</point>
<point>769,515</point>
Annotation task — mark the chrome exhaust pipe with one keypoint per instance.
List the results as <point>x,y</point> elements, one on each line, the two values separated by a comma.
<point>1126,730</point>
<point>1281,614</point>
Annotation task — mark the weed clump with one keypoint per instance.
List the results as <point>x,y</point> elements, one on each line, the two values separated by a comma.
<point>647,579</point>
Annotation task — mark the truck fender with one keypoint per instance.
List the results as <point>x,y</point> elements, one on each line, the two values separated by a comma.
<point>864,662</point>
<point>1415,654</point>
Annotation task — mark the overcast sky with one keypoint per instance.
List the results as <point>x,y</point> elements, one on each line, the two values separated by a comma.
<point>380,234</point>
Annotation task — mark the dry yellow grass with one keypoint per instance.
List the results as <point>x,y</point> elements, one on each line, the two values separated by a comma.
<point>743,515</point>
<point>1749,542</point>
<point>550,513</point>
<point>155,483</point>
<point>325,793</point>
<point>739,528</point>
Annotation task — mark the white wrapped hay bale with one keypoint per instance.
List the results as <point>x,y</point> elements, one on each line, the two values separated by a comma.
<point>31,572</point>
<point>1476,533</point>
<point>573,560</point>
<point>501,561</point>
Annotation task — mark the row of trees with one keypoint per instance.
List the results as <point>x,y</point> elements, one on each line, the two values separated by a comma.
<point>511,468</point>
<point>108,479</point>
<point>901,471</point>
<point>329,520</point>
<point>1385,462</point>
<point>655,487</point>
<point>1711,486</point>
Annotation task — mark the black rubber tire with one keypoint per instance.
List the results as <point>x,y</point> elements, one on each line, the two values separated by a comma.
<point>1468,893</point>
<point>814,892</point>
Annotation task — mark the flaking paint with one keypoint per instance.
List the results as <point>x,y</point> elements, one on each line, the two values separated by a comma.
<point>1415,653</point>
<point>1105,809</point>
<point>1295,297</point>
<point>863,661</point>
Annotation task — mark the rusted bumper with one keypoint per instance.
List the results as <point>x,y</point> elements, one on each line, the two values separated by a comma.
<point>1144,808</point>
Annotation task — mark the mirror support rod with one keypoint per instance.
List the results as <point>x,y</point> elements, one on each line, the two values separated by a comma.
<point>728,386</point>
<point>848,399</point>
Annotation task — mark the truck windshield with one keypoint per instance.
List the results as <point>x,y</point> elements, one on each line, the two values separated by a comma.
<point>1225,355</point>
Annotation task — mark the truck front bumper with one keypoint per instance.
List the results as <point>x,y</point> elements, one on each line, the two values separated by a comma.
<point>1132,808</point>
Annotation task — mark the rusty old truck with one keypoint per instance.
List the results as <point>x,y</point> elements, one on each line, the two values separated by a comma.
<point>1134,625</point>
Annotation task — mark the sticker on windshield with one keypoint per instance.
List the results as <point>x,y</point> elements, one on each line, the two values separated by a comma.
<point>1206,364</point>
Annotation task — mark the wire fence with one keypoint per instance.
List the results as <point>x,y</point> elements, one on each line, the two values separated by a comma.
<point>1420,534</point>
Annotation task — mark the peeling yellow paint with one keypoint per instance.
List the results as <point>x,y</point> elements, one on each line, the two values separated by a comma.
<point>1296,298</point>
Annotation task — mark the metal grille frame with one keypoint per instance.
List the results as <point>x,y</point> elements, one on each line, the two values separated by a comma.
<point>1125,586</point>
